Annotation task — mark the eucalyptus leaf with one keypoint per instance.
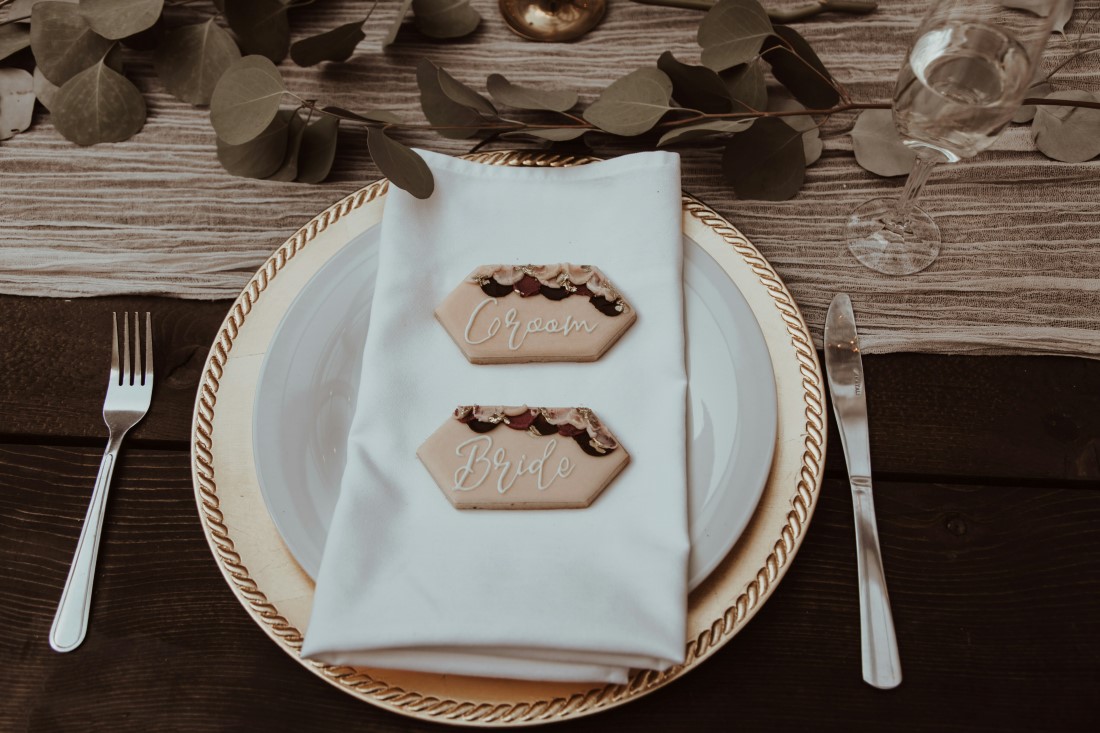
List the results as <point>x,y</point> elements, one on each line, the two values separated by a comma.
<point>262,26</point>
<point>371,115</point>
<point>1068,134</point>
<point>521,97</point>
<point>1062,10</point>
<point>288,171</point>
<point>395,24</point>
<point>796,66</point>
<point>766,161</point>
<point>262,155</point>
<point>554,134</point>
<point>44,89</point>
<point>245,99</point>
<point>445,18</point>
<point>878,146</point>
<point>98,105</point>
<point>633,104</point>
<point>192,58</point>
<point>747,86</point>
<point>16,101</point>
<point>117,19</point>
<point>400,164</point>
<point>457,110</point>
<point>23,8</point>
<point>318,149</point>
<point>1040,87</point>
<point>811,134</point>
<point>732,33</point>
<point>62,41</point>
<point>336,45</point>
<point>13,39</point>
<point>709,128</point>
<point>696,87</point>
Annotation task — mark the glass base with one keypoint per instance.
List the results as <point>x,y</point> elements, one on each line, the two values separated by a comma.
<point>889,247</point>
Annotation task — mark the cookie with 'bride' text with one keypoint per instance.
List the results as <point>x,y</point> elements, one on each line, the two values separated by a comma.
<point>531,313</point>
<point>522,457</point>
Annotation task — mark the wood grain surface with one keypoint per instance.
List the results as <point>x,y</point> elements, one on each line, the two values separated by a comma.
<point>995,590</point>
<point>1019,271</point>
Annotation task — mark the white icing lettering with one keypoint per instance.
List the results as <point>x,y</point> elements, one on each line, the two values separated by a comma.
<point>517,329</point>
<point>482,460</point>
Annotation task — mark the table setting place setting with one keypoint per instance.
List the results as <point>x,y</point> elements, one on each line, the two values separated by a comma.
<point>513,435</point>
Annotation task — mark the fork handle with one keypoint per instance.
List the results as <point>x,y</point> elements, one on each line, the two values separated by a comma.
<point>70,623</point>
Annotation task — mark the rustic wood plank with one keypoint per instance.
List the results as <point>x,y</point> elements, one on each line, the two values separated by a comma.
<point>1012,418</point>
<point>995,590</point>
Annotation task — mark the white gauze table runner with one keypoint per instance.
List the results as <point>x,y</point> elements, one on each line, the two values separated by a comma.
<point>407,581</point>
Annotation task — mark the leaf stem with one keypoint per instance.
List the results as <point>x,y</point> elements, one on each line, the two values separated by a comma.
<point>782,15</point>
<point>1070,60</point>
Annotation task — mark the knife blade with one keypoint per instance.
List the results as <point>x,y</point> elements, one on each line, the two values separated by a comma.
<point>844,366</point>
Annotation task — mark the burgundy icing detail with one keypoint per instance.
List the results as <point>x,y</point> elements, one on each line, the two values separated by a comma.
<point>583,290</point>
<point>527,285</point>
<point>570,431</point>
<point>585,443</point>
<point>554,293</point>
<point>479,426</point>
<point>522,422</point>
<point>494,289</point>
<point>542,426</point>
<point>605,306</point>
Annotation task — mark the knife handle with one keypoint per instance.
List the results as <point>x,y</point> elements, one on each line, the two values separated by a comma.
<point>881,662</point>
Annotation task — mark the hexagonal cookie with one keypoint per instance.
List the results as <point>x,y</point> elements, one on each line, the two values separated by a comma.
<point>522,313</point>
<point>522,457</point>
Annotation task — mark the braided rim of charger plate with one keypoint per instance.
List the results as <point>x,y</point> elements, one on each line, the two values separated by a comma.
<point>410,702</point>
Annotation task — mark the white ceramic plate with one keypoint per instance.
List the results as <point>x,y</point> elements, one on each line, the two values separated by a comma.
<point>310,375</point>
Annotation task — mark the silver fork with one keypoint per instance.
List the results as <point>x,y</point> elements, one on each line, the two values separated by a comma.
<point>127,401</point>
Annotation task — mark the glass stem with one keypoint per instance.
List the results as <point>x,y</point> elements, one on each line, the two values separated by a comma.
<point>898,220</point>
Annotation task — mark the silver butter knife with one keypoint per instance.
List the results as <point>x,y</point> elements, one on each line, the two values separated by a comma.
<point>881,663</point>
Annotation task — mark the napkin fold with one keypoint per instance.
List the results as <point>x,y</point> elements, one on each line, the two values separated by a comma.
<point>409,582</point>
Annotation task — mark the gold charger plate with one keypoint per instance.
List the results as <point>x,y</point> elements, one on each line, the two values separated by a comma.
<point>278,595</point>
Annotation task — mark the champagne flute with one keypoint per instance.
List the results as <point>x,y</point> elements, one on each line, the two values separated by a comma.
<point>965,76</point>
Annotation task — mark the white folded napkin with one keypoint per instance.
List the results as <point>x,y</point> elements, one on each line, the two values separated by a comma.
<point>409,582</point>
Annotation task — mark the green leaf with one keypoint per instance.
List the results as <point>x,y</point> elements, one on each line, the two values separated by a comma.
<point>261,26</point>
<point>1068,134</point>
<point>13,39</point>
<point>192,58</point>
<point>878,146</point>
<point>395,25</point>
<point>520,97</point>
<point>335,45</point>
<point>262,155</point>
<point>245,99</point>
<point>16,101</point>
<point>633,104</point>
<point>696,87</point>
<point>766,161</point>
<point>44,89</point>
<point>746,86</point>
<point>796,66</point>
<point>98,105</point>
<point>318,149</point>
<point>445,18</point>
<point>811,134</point>
<point>732,33</point>
<point>449,104</point>
<point>400,164</point>
<point>554,134</point>
<point>62,42</point>
<point>117,19</point>
<point>288,171</point>
<point>687,133</point>
<point>371,115</point>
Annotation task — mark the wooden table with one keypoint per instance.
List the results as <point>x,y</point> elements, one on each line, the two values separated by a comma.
<point>988,499</point>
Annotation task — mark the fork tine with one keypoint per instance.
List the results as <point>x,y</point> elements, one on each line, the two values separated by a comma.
<point>114,349</point>
<point>147,374</point>
<point>139,371</point>
<point>127,372</point>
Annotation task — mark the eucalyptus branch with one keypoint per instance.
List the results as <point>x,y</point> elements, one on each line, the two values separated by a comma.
<point>782,15</point>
